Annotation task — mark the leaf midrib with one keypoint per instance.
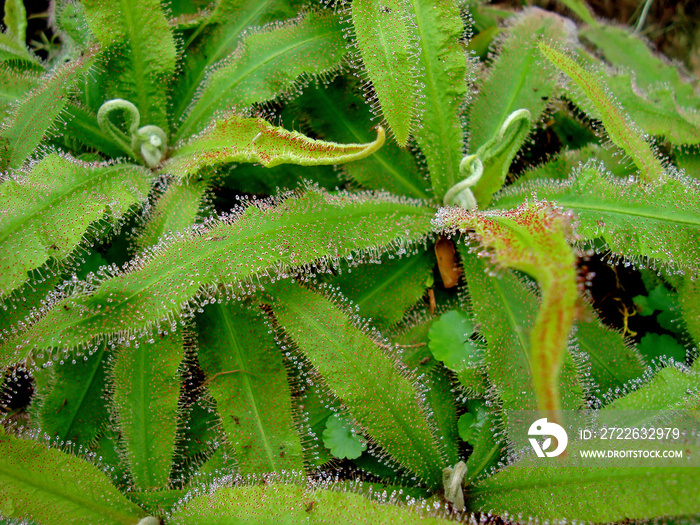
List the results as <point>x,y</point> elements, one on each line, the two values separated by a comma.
<point>245,377</point>
<point>381,394</point>
<point>199,111</point>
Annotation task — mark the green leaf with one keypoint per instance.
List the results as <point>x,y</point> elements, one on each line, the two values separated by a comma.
<point>517,79</point>
<point>140,53</point>
<point>74,409</point>
<point>146,382</point>
<point>14,85</point>
<point>664,301</point>
<point>443,74</point>
<point>480,432</point>
<point>619,127</point>
<point>218,37</point>
<point>583,490</point>
<point>15,55</point>
<point>654,346</point>
<point>383,30</point>
<point>81,125</point>
<point>636,220</point>
<point>341,440</point>
<point>176,209</point>
<point>670,389</point>
<point>37,112</point>
<point>240,139</point>
<point>340,114</point>
<point>613,361</point>
<point>15,20</point>
<point>385,291</point>
<point>440,399</point>
<point>275,503</point>
<point>235,251</point>
<point>269,63</point>
<point>450,342</point>
<point>470,425</point>
<point>533,238</point>
<point>49,486</point>
<point>53,204</point>
<point>505,309</point>
<point>246,376</point>
<point>382,400</point>
<point>626,50</point>
<point>582,10</point>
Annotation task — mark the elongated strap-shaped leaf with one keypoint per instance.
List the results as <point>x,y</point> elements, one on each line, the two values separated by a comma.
<point>37,112</point>
<point>268,64</point>
<point>175,210</point>
<point>617,123</point>
<point>254,242</point>
<point>364,377</point>
<point>440,398</point>
<point>340,114</point>
<point>15,19</point>
<point>625,49</point>
<point>218,37</point>
<point>506,310</point>
<point>613,362</point>
<point>443,74</point>
<point>74,409</point>
<point>13,86</point>
<point>655,110</point>
<point>384,291</point>
<point>49,209</point>
<point>518,78</point>
<point>16,56</point>
<point>275,503</point>
<point>240,139</point>
<point>49,486</point>
<point>586,491</point>
<point>383,30</point>
<point>146,383</point>
<point>669,389</point>
<point>636,220</point>
<point>140,47</point>
<point>247,378</point>
<point>533,238</point>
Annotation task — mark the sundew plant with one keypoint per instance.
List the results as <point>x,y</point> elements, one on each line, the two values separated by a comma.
<point>275,261</point>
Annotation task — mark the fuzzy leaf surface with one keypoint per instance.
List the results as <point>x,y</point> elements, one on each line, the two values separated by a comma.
<point>443,73</point>
<point>636,220</point>
<point>532,238</point>
<point>268,64</point>
<point>146,382</point>
<point>363,376</point>
<point>218,37</point>
<point>140,49</point>
<point>517,79</point>
<point>15,19</point>
<point>291,503</point>
<point>617,123</point>
<point>37,112</point>
<point>49,486</point>
<point>247,378</point>
<point>613,361</point>
<point>506,309</point>
<point>254,242</point>
<point>240,139</point>
<point>385,291</point>
<point>74,408</point>
<point>383,31</point>
<point>585,490</point>
<point>49,208</point>
<point>175,210</point>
